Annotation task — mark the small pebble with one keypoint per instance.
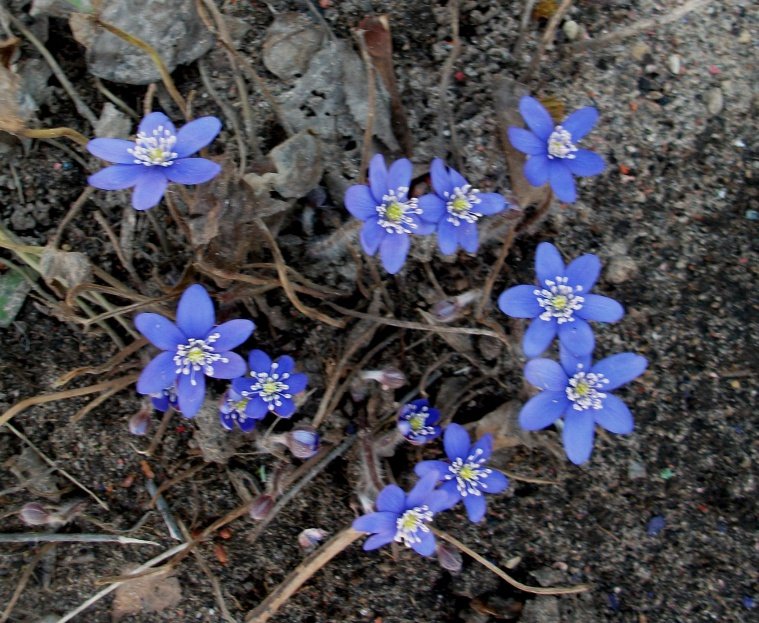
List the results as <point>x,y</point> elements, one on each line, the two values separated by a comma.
<point>673,63</point>
<point>640,50</point>
<point>655,525</point>
<point>744,37</point>
<point>636,470</point>
<point>714,101</point>
<point>752,215</point>
<point>571,29</point>
<point>621,268</point>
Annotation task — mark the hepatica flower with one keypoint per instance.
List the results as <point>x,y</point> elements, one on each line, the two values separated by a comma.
<point>456,207</point>
<point>270,385</point>
<point>233,411</point>
<point>465,475</point>
<point>560,303</point>
<point>193,348</point>
<point>389,215</point>
<point>579,391</point>
<point>418,422</point>
<point>552,154</point>
<point>405,518</point>
<point>164,399</point>
<point>159,155</point>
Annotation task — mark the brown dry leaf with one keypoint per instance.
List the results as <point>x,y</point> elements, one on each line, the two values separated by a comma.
<point>11,117</point>
<point>506,95</point>
<point>8,48</point>
<point>460,342</point>
<point>69,268</point>
<point>34,474</point>
<point>501,423</point>
<point>153,593</point>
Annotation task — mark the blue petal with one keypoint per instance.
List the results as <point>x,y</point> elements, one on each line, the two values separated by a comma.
<point>450,487</point>
<point>421,491</point>
<point>381,521</point>
<point>548,263</point>
<point>433,208</point>
<point>468,237</point>
<point>475,507</point>
<point>232,334</point>
<point>226,420</point>
<point>195,135</point>
<point>286,409</point>
<point>578,434</point>
<point>561,180</point>
<point>457,180</point>
<point>577,336</point>
<point>231,369</point>
<point>536,117</point>
<point>149,188</point>
<point>259,361</point>
<point>490,203</point>
<point>360,202</point>
<point>378,177</point>
<point>159,374</point>
<point>392,499</point>
<point>440,500</point>
<point>538,337</point>
<point>441,181</point>
<point>285,364</point>
<point>297,383</point>
<point>447,237</point>
<point>378,540</point>
<point>536,170</point>
<point>585,163</point>
<point>195,314</point>
<point>573,363</point>
<point>614,416</point>
<point>519,302</point>
<point>393,251</point>
<point>526,142</point>
<point>583,271</point>
<point>117,177</point>
<point>153,121</point>
<point>483,447</point>
<point>546,374</point>
<point>600,309</point>
<point>456,441</point>
<point>160,331</point>
<point>620,369</point>
<point>425,467</point>
<point>426,544</point>
<point>246,424</point>
<point>543,410</point>
<point>112,150</point>
<point>192,171</point>
<point>372,235</point>
<point>257,408</point>
<point>494,482</point>
<point>422,228</point>
<point>399,176</point>
<point>191,391</point>
<point>580,122</point>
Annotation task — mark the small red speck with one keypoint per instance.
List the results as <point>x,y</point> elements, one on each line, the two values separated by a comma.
<point>703,508</point>
<point>57,166</point>
<point>714,70</point>
<point>459,76</point>
<point>181,429</point>
<point>743,260</point>
<point>225,533</point>
<point>624,169</point>
<point>633,106</point>
<point>325,4</point>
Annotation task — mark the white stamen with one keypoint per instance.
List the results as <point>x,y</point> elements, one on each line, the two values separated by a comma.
<point>411,523</point>
<point>154,149</point>
<point>469,473</point>
<point>197,355</point>
<point>394,214</point>
<point>461,203</point>
<point>560,144</point>
<point>583,390</point>
<point>559,300</point>
<point>270,387</point>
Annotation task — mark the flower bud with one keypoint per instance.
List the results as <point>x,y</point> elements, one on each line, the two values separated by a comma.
<point>445,310</point>
<point>33,514</point>
<point>261,506</point>
<point>389,378</point>
<point>309,538</point>
<point>140,421</point>
<point>448,557</point>
<point>303,442</point>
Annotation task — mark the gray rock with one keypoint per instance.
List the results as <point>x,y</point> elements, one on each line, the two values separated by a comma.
<point>172,27</point>
<point>621,268</point>
<point>542,609</point>
<point>715,101</point>
<point>113,123</point>
<point>58,8</point>
<point>673,64</point>
<point>291,42</point>
<point>571,29</point>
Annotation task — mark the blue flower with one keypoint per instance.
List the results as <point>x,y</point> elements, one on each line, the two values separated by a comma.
<point>404,518</point>
<point>165,399</point>
<point>193,348</point>
<point>552,155</point>
<point>577,390</point>
<point>233,411</point>
<point>270,386</point>
<point>561,303</point>
<point>464,475</point>
<point>456,207</point>
<point>417,422</point>
<point>388,213</point>
<point>159,155</point>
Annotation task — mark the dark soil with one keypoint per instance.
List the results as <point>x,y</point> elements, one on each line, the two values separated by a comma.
<point>673,219</point>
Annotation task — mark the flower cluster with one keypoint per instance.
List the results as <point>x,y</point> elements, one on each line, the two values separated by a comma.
<point>562,304</point>
<point>159,155</point>
<point>390,216</point>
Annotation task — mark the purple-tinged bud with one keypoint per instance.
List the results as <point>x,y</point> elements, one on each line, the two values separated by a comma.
<point>449,310</point>
<point>303,442</point>
<point>418,422</point>
<point>449,557</point>
<point>389,378</point>
<point>261,506</point>
<point>140,421</point>
<point>33,514</point>
<point>309,538</point>
<point>358,389</point>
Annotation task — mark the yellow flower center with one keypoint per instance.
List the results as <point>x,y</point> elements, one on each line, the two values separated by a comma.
<point>196,355</point>
<point>394,212</point>
<point>409,522</point>
<point>270,387</point>
<point>582,388</point>
<point>466,472</point>
<point>460,204</point>
<point>157,154</point>
<point>241,404</point>
<point>560,302</point>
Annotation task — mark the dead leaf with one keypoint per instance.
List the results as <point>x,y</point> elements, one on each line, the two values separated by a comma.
<point>154,593</point>
<point>68,268</point>
<point>501,423</point>
<point>11,117</point>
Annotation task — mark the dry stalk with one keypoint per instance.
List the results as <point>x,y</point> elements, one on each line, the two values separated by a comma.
<point>445,118</point>
<point>371,86</point>
<point>546,39</point>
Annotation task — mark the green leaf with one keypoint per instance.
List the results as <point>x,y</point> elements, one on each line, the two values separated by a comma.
<point>13,291</point>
